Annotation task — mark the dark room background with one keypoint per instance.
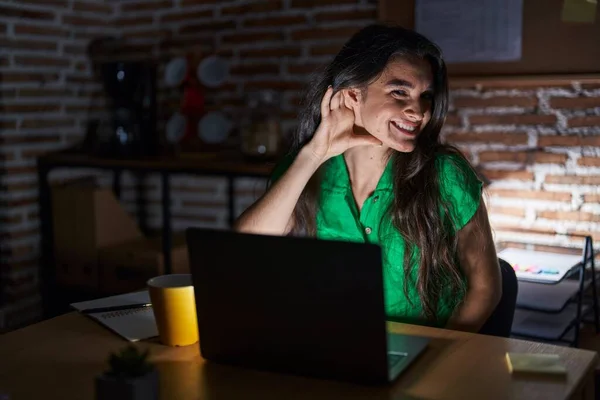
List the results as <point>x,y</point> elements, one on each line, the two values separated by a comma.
<point>537,141</point>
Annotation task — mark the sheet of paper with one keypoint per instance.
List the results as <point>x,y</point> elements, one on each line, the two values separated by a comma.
<point>132,325</point>
<point>539,266</point>
<point>472,30</point>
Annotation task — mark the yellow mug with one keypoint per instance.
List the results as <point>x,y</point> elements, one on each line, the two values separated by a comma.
<point>174,309</point>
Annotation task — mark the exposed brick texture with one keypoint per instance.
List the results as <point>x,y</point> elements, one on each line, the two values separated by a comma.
<point>41,42</point>
<point>539,146</point>
<point>538,142</point>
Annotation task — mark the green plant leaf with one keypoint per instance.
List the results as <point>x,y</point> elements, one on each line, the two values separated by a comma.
<point>129,363</point>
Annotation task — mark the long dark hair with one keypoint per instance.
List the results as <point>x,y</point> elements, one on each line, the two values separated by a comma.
<point>415,211</point>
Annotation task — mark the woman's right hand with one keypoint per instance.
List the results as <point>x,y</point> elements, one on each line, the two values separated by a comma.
<point>335,134</point>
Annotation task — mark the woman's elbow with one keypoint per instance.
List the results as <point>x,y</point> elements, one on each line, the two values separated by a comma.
<point>497,297</point>
<point>499,288</point>
<point>241,225</point>
<point>495,293</point>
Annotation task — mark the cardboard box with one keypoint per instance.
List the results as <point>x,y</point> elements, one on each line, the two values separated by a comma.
<point>85,219</point>
<point>128,266</point>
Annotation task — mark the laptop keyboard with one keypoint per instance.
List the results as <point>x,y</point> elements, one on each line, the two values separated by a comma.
<point>394,358</point>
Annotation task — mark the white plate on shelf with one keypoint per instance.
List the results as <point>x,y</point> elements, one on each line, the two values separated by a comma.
<point>213,71</point>
<point>214,127</point>
<point>175,128</point>
<point>175,71</point>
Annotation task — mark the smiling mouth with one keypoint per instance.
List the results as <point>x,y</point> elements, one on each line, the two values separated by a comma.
<point>405,129</point>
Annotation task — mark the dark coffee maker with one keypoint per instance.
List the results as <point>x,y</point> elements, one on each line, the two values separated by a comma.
<point>131,90</point>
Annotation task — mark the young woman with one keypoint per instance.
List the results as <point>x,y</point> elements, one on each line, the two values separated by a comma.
<point>367,165</point>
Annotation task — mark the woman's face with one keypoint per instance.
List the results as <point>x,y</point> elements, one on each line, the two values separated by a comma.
<point>397,106</point>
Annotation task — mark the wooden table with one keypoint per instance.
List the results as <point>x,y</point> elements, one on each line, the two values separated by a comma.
<point>59,358</point>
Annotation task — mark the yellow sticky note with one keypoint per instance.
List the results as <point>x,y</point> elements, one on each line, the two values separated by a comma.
<point>535,363</point>
<point>582,11</point>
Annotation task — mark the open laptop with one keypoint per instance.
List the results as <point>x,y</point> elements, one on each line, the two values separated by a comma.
<point>295,305</point>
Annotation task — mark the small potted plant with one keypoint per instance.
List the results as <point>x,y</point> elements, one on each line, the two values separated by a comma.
<point>130,377</point>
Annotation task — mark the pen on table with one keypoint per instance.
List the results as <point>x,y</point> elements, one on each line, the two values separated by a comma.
<point>115,308</point>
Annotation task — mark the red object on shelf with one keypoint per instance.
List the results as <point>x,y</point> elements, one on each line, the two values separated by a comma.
<point>193,102</point>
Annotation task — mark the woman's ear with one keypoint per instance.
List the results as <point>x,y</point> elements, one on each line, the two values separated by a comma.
<point>352,98</point>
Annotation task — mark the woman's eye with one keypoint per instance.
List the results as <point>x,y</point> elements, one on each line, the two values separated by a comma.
<point>399,93</point>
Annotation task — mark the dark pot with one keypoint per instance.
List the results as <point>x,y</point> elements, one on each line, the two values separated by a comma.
<point>142,388</point>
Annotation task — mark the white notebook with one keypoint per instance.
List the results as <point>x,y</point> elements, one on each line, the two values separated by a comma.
<point>133,325</point>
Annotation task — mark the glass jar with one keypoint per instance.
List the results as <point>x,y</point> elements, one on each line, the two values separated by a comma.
<point>260,130</point>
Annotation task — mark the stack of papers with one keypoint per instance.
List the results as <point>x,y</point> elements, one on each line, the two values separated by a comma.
<point>539,266</point>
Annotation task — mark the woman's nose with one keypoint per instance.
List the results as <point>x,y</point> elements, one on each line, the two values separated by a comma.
<point>415,110</point>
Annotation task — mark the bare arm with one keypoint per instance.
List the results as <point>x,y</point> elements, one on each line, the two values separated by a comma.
<point>477,256</point>
<point>272,214</point>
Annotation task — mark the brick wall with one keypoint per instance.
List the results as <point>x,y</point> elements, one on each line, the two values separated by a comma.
<point>46,95</point>
<point>539,145</point>
<point>270,44</point>
<point>538,142</point>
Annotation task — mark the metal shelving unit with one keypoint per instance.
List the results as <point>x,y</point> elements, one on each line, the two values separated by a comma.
<point>555,312</point>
